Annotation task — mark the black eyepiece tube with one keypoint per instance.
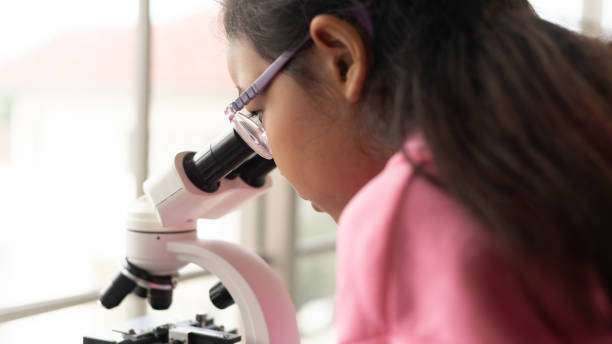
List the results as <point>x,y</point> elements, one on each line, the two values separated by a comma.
<point>254,171</point>
<point>206,168</point>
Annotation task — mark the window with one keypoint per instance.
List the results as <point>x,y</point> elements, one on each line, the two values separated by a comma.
<point>67,99</point>
<point>66,112</point>
<point>564,13</point>
<point>69,126</point>
<point>606,19</point>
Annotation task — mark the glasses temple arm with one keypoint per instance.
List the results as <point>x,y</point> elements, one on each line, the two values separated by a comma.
<point>267,76</point>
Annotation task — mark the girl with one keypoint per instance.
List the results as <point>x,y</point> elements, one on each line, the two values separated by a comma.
<point>464,147</point>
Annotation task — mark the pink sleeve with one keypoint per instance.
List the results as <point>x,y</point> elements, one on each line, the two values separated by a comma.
<point>413,267</point>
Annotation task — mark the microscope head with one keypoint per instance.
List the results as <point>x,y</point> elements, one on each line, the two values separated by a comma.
<point>208,184</point>
<point>148,270</point>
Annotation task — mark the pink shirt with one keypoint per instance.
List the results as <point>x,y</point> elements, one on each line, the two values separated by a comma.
<point>414,267</point>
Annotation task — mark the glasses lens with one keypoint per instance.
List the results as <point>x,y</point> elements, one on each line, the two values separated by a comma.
<point>252,132</point>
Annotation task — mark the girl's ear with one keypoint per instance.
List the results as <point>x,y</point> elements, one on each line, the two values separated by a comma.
<point>341,54</point>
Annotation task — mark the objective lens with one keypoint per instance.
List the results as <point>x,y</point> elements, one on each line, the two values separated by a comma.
<point>116,291</point>
<point>220,297</point>
<point>157,289</point>
<point>141,292</point>
<point>160,299</point>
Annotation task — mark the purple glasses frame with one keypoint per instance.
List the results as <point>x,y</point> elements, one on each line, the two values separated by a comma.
<point>265,78</point>
<point>253,139</point>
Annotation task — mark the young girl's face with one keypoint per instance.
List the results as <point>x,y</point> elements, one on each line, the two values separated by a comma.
<point>312,138</point>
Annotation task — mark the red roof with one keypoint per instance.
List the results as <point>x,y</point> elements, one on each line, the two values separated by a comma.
<point>189,53</point>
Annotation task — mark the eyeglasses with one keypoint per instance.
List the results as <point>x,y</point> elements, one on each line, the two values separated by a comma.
<point>248,125</point>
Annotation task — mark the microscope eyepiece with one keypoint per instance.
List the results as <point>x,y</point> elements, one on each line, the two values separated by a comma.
<point>206,168</point>
<point>254,171</point>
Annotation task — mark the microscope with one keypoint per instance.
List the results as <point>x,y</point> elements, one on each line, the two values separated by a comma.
<point>161,238</point>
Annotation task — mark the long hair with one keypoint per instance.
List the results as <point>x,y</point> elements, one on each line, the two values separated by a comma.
<point>516,111</point>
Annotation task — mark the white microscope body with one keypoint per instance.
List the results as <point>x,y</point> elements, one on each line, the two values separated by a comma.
<point>162,238</point>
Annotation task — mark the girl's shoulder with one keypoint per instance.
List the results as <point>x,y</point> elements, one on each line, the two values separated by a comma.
<point>388,195</point>
<point>398,237</point>
<point>414,266</point>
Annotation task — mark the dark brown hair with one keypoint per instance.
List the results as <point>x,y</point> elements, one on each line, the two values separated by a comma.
<point>517,112</point>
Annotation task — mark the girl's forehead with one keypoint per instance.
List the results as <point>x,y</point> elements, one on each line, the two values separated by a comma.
<point>243,62</point>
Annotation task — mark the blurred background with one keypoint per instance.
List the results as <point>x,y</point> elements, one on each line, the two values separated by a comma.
<point>94,97</point>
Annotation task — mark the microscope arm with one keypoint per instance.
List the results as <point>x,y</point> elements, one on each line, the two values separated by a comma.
<point>266,309</point>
